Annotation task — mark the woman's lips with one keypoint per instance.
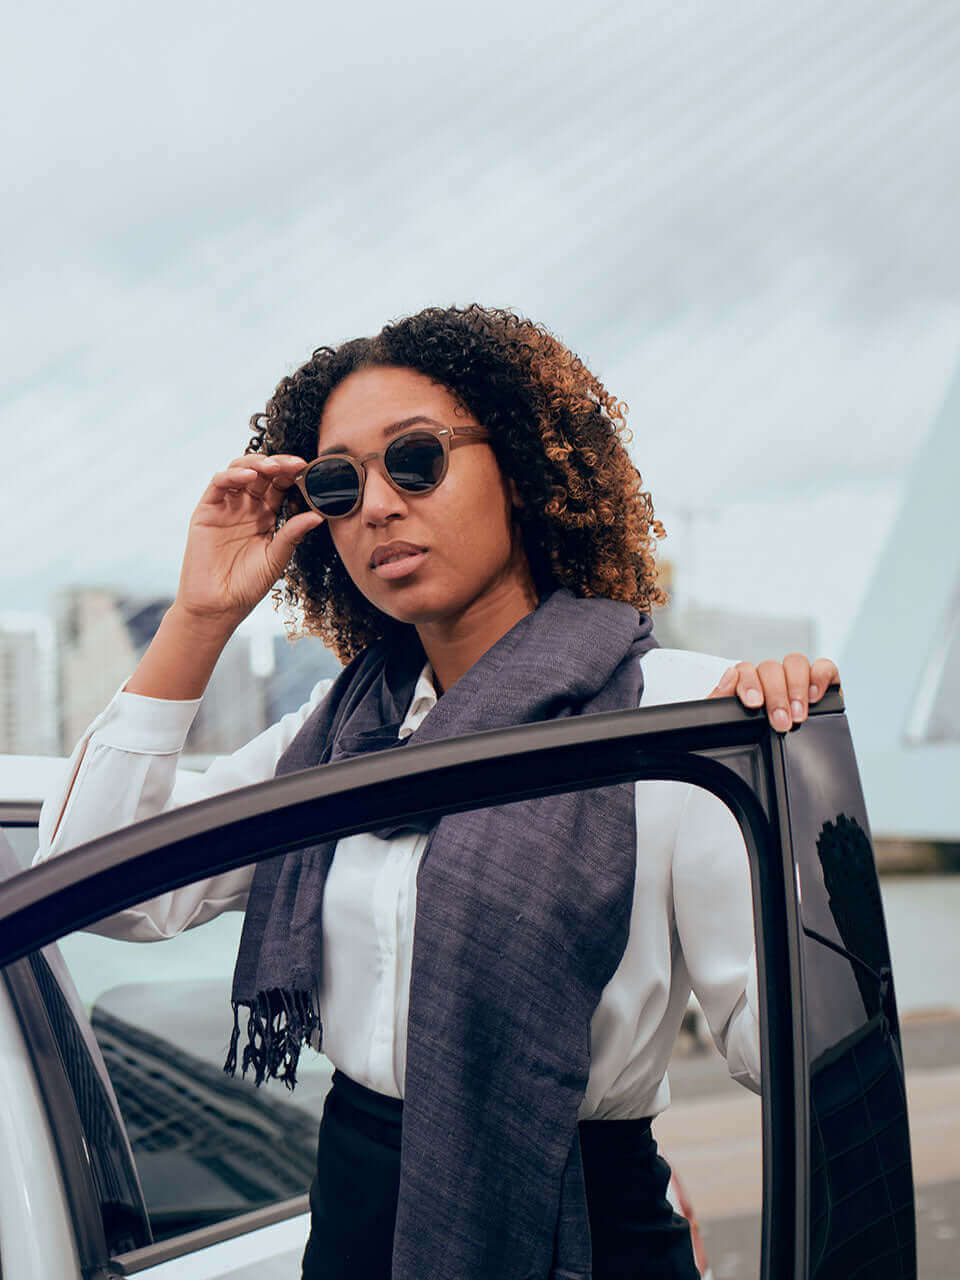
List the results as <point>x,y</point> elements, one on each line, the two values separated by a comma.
<point>391,564</point>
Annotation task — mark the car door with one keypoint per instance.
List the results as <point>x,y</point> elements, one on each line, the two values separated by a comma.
<point>837,1183</point>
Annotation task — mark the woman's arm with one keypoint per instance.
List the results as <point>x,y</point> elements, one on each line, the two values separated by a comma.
<point>713,908</point>
<point>234,555</point>
<point>125,766</point>
<point>125,769</point>
<point>713,905</point>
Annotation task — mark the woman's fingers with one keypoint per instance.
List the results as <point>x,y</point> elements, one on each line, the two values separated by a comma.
<point>773,680</point>
<point>270,464</point>
<point>758,686</point>
<point>230,480</point>
<point>234,550</point>
<point>743,681</point>
<point>823,674</point>
<point>784,689</point>
<point>796,669</point>
<point>727,684</point>
<point>286,469</point>
<point>290,533</point>
<point>277,474</point>
<point>263,478</point>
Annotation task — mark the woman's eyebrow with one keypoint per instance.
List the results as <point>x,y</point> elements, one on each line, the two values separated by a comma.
<point>393,429</point>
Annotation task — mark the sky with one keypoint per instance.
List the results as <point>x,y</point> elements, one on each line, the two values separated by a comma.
<point>741,215</point>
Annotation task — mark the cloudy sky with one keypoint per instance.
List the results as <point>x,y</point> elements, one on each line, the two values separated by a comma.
<point>742,215</point>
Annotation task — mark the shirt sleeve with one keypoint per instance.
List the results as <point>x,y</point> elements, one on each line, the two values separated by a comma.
<point>124,769</point>
<point>713,907</point>
<point>710,870</point>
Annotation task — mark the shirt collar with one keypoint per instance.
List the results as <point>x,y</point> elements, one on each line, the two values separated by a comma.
<point>424,699</point>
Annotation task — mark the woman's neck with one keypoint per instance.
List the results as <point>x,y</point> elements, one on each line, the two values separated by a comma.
<point>453,645</point>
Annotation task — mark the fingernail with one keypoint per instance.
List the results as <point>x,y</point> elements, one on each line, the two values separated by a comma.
<point>797,709</point>
<point>780,720</point>
<point>753,697</point>
<point>813,692</point>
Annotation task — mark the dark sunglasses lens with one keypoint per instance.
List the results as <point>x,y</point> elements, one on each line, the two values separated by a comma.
<point>332,485</point>
<point>415,461</point>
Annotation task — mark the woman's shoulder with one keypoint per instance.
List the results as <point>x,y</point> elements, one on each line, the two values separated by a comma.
<point>680,675</point>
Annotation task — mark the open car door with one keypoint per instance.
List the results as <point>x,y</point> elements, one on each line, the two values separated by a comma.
<point>837,1181</point>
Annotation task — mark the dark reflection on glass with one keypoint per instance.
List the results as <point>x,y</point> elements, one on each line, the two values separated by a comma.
<point>861,1213</point>
<point>206,1146</point>
<point>117,1191</point>
<point>850,878</point>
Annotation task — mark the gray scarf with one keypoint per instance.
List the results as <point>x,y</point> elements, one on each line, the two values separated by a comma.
<point>522,917</point>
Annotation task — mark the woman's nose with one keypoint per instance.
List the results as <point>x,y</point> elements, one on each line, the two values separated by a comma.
<point>381,500</point>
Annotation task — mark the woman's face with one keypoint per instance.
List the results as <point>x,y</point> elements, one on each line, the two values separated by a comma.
<point>436,558</point>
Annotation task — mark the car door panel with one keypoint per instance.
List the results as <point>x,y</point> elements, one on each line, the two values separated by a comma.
<point>715,745</point>
<point>857,1129</point>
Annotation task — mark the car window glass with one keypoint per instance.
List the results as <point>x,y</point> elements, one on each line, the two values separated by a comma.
<point>22,840</point>
<point>206,1146</point>
<point>858,1131</point>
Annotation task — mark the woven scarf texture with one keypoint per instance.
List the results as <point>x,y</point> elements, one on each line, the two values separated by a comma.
<point>522,917</point>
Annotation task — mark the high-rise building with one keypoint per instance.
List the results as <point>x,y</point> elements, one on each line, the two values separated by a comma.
<point>259,677</point>
<point>233,709</point>
<point>28,721</point>
<point>96,654</point>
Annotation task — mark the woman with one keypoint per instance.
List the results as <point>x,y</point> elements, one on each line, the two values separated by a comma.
<point>451,506</point>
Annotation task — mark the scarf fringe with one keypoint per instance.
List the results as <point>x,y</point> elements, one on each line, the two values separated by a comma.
<point>278,1025</point>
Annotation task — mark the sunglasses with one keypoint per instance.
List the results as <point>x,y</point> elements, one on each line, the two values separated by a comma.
<point>414,463</point>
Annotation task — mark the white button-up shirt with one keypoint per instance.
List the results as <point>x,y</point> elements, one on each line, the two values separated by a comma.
<point>691,922</point>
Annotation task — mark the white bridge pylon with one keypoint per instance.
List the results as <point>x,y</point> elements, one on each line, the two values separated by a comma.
<point>901,664</point>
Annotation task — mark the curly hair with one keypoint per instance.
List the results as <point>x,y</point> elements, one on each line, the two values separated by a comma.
<point>586,522</point>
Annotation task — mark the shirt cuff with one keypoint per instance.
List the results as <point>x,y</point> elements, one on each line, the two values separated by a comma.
<point>152,726</point>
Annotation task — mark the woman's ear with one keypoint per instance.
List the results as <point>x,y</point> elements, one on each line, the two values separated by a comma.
<point>515,500</point>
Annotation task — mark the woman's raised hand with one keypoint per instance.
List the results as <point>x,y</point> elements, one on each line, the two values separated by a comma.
<point>235,552</point>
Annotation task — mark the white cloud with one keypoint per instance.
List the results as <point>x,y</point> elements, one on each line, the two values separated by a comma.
<point>743,218</point>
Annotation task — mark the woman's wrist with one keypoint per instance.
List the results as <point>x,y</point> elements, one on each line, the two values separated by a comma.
<point>210,630</point>
<point>182,655</point>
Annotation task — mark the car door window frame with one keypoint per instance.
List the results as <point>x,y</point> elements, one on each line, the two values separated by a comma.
<point>715,744</point>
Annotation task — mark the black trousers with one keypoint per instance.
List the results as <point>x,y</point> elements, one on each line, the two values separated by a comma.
<point>353,1199</point>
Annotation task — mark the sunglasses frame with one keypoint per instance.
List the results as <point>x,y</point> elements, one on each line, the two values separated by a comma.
<point>448,438</point>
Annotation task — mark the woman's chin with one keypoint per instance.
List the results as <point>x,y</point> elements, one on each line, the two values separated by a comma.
<point>411,602</point>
